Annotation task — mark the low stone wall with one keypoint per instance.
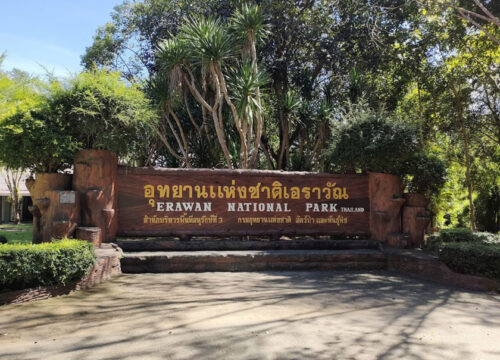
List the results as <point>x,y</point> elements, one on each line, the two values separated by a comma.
<point>106,266</point>
<point>420,265</point>
<point>413,263</point>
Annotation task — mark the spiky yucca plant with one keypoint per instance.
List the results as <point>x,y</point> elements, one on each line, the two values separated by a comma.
<point>199,60</point>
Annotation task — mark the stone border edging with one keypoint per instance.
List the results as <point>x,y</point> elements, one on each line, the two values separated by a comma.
<point>424,266</point>
<point>413,263</point>
<point>107,265</point>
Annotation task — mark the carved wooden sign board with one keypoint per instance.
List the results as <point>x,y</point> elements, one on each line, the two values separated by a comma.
<point>156,202</point>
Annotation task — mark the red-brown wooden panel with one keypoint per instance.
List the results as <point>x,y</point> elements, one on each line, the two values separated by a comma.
<point>156,202</point>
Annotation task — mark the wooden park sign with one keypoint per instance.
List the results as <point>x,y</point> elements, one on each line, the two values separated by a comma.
<point>157,202</point>
<point>102,200</point>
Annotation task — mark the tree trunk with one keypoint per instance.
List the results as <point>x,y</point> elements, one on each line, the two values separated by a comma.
<point>465,139</point>
<point>219,129</point>
<point>237,121</point>
<point>12,180</point>
<point>467,175</point>
<point>280,87</point>
<point>258,124</point>
<point>421,116</point>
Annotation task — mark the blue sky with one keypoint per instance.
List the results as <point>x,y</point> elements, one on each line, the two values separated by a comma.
<point>53,33</point>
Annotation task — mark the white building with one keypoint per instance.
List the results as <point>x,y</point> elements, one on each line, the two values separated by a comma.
<point>6,208</point>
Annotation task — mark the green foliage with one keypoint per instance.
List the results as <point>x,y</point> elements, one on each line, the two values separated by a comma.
<point>474,258</point>
<point>243,83</point>
<point>373,143</point>
<point>208,40</point>
<point>102,112</point>
<point>427,174</point>
<point>419,60</point>
<point>488,208</point>
<point>96,111</point>
<point>171,53</point>
<point>60,262</point>
<point>18,93</point>
<point>458,235</point>
<point>36,140</point>
<point>102,50</point>
<point>248,22</point>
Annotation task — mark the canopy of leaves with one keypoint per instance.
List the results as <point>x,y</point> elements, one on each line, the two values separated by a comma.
<point>36,140</point>
<point>102,112</point>
<point>373,143</point>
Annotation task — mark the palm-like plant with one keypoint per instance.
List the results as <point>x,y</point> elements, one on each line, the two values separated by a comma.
<point>160,88</point>
<point>200,55</point>
<point>248,27</point>
<point>208,40</point>
<point>244,83</point>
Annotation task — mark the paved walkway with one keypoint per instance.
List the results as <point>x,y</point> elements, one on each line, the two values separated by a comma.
<point>280,315</point>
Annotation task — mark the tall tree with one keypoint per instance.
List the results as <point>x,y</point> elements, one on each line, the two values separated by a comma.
<point>309,54</point>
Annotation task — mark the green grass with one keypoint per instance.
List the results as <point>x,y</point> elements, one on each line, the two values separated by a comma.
<point>17,234</point>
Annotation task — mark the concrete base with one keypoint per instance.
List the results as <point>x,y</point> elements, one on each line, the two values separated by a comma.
<point>298,254</point>
<point>201,261</point>
<point>421,265</point>
<point>228,244</point>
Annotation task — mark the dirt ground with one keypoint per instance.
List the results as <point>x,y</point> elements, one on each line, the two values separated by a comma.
<point>265,315</point>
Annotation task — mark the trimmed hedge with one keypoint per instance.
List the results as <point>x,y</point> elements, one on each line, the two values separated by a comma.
<point>458,235</point>
<point>60,262</point>
<point>482,259</point>
<point>467,235</point>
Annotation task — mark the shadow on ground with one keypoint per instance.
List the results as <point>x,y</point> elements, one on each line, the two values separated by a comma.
<point>266,315</point>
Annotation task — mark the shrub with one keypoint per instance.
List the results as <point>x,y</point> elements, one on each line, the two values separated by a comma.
<point>487,206</point>
<point>373,143</point>
<point>102,112</point>
<point>458,235</point>
<point>426,174</point>
<point>36,140</point>
<point>463,235</point>
<point>60,262</point>
<point>97,111</point>
<point>482,259</point>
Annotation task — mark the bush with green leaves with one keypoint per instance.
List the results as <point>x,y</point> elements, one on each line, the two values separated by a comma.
<point>96,111</point>
<point>458,235</point>
<point>373,143</point>
<point>426,174</point>
<point>102,112</point>
<point>36,140</point>
<point>474,258</point>
<point>487,206</point>
<point>31,265</point>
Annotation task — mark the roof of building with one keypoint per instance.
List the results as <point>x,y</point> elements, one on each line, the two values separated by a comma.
<point>4,190</point>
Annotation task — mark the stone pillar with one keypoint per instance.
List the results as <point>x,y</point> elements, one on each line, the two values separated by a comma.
<point>416,218</point>
<point>38,188</point>
<point>95,178</point>
<point>385,205</point>
<point>91,234</point>
<point>60,214</point>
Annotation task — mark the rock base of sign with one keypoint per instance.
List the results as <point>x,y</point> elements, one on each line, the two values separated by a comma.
<point>94,178</point>
<point>421,265</point>
<point>106,267</point>
<point>228,244</point>
<point>202,261</point>
<point>170,255</point>
<point>47,204</point>
<point>91,234</point>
